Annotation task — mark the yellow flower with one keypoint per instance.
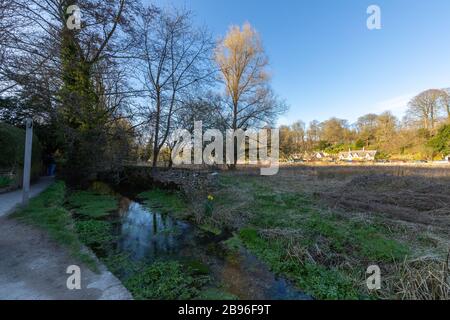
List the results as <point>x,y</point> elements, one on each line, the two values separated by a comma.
<point>210,198</point>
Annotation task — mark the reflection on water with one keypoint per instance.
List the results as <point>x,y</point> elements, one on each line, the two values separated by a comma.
<point>147,235</point>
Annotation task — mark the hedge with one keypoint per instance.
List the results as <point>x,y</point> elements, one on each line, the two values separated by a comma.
<point>12,148</point>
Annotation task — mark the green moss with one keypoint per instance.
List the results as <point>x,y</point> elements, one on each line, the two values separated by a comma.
<point>165,201</point>
<point>325,283</point>
<point>165,281</point>
<point>99,187</point>
<point>95,234</point>
<point>197,267</point>
<point>47,212</point>
<point>91,204</point>
<point>233,244</point>
<point>216,294</point>
<point>121,265</point>
<point>317,280</point>
<point>210,229</point>
<point>376,247</point>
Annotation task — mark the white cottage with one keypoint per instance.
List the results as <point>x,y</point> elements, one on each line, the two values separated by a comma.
<point>359,155</point>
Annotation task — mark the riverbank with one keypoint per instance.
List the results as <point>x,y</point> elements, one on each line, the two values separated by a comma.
<point>290,225</point>
<point>322,227</point>
<point>37,246</point>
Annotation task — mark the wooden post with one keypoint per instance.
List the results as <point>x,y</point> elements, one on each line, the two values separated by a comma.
<point>27,162</point>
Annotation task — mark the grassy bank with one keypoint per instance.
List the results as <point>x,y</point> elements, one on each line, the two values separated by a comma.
<point>77,218</point>
<point>95,220</point>
<point>47,212</point>
<point>324,251</point>
<point>287,221</point>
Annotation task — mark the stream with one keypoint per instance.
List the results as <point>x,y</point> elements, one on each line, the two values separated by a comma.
<point>146,235</point>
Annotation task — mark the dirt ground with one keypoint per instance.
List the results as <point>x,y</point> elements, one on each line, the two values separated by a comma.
<point>32,267</point>
<point>408,206</point>
<point>411,194</point>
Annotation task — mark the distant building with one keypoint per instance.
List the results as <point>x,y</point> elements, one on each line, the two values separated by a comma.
<point>359,155</point>
<point>320,155</point>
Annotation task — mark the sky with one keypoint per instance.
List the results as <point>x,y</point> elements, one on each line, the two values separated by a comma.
<point>324,60</point>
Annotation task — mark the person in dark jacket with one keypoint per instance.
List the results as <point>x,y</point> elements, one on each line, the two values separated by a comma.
<point>50,163</point>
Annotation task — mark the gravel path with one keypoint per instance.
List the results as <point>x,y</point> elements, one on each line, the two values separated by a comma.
<point>33,267</point>
<point>9,201</point>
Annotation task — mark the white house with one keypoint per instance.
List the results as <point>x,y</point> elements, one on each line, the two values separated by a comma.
<point>321,155</point>
<point>359,155</point>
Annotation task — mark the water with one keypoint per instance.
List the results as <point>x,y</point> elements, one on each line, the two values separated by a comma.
<point>147,236</point>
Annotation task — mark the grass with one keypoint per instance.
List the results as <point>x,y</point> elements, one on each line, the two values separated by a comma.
<point>92,204</point>
<point>215,294</point>
<point>325,252</point>
<point>96,234</point>
<point>48,213</point>
<point>162,280</point>
<point>166,280</point>
<point>165,201</point>
<point>315,279</point>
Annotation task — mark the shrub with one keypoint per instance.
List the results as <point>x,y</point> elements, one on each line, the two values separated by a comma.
<point>441,142</point>
<point>12,147</point>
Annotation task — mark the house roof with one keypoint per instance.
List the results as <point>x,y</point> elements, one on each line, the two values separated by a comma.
<point>359,153</point>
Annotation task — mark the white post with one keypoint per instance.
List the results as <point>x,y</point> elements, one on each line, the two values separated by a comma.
<point>27,162</point>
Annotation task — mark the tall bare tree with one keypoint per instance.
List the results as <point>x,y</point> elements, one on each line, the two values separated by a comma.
<point>334,131</point>
<point>243,64</point>
<point>425,108</point>
<point>445,100</point>
<point>366,126</point>
<point>174,62</point>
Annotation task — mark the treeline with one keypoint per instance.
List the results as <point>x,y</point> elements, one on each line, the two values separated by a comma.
<point>114,89</point>
<point>423,133</point>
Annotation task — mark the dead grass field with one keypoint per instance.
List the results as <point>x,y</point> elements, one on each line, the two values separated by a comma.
<point>322,226</point>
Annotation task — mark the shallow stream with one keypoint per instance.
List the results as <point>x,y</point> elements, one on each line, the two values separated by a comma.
<point>146,235</point>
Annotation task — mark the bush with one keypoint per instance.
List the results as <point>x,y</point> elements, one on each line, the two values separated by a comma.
<point>441,142</point>
<point>12,149</point>
<point>5,181</point>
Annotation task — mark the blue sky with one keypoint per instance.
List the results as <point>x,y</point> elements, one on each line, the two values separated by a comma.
<point>324,60</point>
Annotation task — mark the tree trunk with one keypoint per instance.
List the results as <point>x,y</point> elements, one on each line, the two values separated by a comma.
<point>155,143</point>
<point>235,146</point>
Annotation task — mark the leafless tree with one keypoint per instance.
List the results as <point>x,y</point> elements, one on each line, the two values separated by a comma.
<point>74,72</point>
<point>445,101</point>
<point>174,61</point>
<point>425,108</point>
<point>249,100</point>
<point>334,131</point>
<point>366,127</point>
